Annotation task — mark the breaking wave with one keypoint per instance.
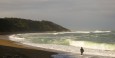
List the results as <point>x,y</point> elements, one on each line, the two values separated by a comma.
<point>89,39</point>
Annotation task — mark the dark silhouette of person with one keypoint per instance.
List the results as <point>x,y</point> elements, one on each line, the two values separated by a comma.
<point>81,50</point>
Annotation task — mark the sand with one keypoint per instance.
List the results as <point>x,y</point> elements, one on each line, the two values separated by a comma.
<point>11,49</point>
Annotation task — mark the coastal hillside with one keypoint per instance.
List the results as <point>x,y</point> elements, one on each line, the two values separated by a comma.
<point>16,25</point>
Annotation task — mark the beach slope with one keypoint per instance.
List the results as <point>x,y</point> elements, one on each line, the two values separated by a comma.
<point>8,49</point>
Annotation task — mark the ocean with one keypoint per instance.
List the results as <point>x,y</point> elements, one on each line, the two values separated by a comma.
<point>67,41</point>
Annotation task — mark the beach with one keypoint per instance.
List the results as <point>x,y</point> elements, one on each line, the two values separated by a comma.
<point>10,49</point>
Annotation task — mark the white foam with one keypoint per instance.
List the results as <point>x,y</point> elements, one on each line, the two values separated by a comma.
<point>75,32</point>
<point>82,31</point>
<point>97,31</point>
<point>77,43</point>
<point>100,46</point>
<point>74,49</point>
<point>71,49</point>
<point>15,38</point>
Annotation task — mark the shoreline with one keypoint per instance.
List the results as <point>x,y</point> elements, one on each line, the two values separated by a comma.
<point>8,44</point>
<point>10,48</point>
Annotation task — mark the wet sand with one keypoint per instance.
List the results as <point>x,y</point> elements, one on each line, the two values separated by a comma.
<point>11,49</point>
<point>8,49</point>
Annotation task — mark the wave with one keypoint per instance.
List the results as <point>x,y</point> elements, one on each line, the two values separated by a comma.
<point>101,39</point>
<point>16,38</point>
<point>74,48</point>
<point>64,41</point>
<point>97,31</point>
<point>70,32</point>
<point>85,32</point>
<point>93,45</point>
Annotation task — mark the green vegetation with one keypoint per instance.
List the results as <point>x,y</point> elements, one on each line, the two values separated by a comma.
<point>19,25</point>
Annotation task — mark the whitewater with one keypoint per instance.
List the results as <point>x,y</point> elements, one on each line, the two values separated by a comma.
<point>94,42</point>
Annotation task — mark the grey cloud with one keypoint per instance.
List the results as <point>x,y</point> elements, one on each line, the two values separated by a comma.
<point>74,14</point>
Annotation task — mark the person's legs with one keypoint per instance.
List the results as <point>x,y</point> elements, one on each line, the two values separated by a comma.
<point>81,53</point>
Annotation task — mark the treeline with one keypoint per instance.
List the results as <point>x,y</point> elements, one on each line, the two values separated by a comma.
<point>11,25</point>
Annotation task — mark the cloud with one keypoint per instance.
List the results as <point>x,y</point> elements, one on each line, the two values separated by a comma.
<point>79,13</point>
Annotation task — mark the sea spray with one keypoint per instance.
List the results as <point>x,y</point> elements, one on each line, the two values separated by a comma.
<point>27,39</point>
<point>16,38</point>
<point>90,39</point>
<point>92,45</point>
<point>49,41</point>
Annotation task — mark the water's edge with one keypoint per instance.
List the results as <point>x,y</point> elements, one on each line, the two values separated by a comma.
<point>71,49</point>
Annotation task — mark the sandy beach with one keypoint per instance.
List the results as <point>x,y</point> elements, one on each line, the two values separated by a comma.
<point>11,49</point>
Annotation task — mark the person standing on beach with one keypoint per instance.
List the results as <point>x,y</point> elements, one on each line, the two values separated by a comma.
<point>81,50</point>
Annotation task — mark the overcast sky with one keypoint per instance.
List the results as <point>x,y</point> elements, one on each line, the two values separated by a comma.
<point>72,14</point>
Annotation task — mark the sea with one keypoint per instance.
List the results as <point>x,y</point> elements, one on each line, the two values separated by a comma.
<point>71,41</point>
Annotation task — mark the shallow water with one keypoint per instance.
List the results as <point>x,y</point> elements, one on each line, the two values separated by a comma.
<point>98,42</point>
<point>93,39</point>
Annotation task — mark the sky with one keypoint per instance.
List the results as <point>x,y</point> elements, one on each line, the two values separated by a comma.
<point>72,14</point>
